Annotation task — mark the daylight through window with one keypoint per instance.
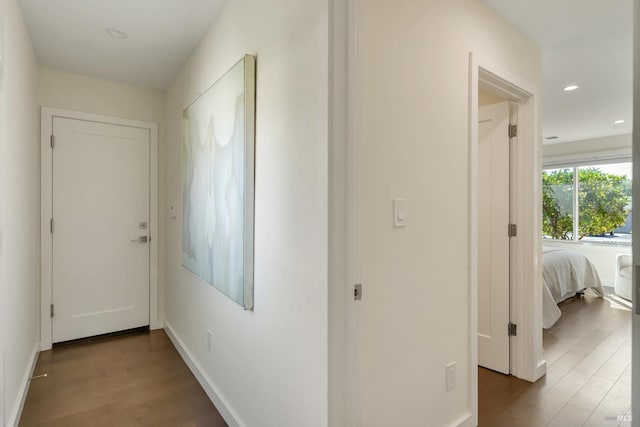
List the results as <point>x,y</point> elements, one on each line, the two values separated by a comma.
<point>588,203</point>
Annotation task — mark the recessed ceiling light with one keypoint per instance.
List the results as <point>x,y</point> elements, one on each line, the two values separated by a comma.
<point>617,122</point>
<point>117,33</point>
<point>571,88</point>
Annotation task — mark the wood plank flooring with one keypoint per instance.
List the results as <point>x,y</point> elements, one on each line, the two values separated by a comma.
<point>131,380</point>
<point>588,381</point>
<point>140,380</point>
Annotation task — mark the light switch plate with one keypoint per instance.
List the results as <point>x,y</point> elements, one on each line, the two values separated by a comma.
<point>399,213</point>
<point>451,375</point>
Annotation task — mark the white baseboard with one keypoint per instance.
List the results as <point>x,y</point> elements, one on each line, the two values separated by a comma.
<point>158,324</point>
<point>229,415</point>
<point>541,370</point>
<point>464,421</point>
<point>14,416</point>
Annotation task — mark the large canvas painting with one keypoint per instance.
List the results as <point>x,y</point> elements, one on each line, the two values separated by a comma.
<point>218,183</point>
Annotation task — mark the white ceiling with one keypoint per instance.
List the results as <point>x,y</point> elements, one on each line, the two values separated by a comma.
<point>584,42</point>
<point>70,35</point>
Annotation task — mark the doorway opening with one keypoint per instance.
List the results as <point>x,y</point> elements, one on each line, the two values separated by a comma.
<point>517,240</point>
<point>99,225</point>
<point>589,345</point>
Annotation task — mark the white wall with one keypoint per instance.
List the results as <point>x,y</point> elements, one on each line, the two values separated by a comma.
<point>3,288</point>
<point>635,339</point>
<point>596,150</point>
<point>76,92</point>
<point>268,366</point>
<point>415,145</point>
<point>19,207</point>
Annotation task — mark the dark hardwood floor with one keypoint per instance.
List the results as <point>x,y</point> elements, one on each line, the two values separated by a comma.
<point>140,379</point>
<point>588,381</point>
<point>132,380</point>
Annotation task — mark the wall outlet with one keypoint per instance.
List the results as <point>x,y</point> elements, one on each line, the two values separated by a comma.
<point>451,375</point>
<point>209,338</point>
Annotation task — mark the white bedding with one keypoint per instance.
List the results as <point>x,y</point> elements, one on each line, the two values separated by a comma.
<point>564,273</point>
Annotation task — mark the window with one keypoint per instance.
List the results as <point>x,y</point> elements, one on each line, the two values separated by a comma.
<point>588,203</point>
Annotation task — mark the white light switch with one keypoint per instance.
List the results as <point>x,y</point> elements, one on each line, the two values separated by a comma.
<point>451,375</point>
<point>399,213</point>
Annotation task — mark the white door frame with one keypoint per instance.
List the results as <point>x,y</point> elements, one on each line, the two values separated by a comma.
<point>526,276</point>
<point>46,210</point>
<point>635,325</point>
<point>344,405</point>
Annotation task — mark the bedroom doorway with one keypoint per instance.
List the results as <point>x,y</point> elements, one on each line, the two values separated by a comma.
<point>520,324</point>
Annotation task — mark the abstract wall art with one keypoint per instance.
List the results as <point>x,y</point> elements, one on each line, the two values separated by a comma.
<point>218,158</point>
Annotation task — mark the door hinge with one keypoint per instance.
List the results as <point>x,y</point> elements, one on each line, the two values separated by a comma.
<point>513,131</point>
<point>51,225</point>
<point>357,292</point>
<point>512,329</point>
<point>51,311</point>
<point>52,141</point>
<point>512,230</point>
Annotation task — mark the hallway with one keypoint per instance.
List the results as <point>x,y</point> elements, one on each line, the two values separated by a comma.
<point>137,379</point>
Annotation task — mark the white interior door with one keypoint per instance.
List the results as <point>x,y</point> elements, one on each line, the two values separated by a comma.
<point>493,238</point>
<point>100,236</point>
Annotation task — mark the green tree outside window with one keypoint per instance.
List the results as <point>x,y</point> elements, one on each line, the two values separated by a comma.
<point>603,202</point>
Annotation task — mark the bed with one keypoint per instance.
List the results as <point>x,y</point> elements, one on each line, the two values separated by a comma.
<point>564,274</point>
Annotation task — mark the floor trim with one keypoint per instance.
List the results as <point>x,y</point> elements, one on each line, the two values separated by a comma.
<point>227,412</point>
<point>464,421</point>
<point>14,416</point>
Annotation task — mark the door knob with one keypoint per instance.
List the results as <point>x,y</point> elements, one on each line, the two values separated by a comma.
<point>141,239</point>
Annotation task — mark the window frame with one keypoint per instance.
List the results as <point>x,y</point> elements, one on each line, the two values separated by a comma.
<point>574,165</point>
